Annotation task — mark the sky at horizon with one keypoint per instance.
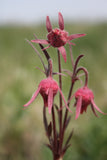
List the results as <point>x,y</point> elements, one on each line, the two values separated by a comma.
<point>33,11</point>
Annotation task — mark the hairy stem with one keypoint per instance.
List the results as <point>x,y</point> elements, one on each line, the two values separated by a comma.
<point>66,112</point>
<point>72,59</point>
<point>60,102</point>
<point>54,131</point>
<point>86,74</point>
<point>60,158</point>
<point>71,87</point>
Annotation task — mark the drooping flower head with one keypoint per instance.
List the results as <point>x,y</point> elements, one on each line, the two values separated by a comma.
<point>48,88</point>
<point>58,37</point>
<point>84,97</point>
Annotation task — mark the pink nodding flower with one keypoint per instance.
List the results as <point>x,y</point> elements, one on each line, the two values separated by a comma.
<point>84,97</point>
<point>58,37</point>
<point>48,88</point>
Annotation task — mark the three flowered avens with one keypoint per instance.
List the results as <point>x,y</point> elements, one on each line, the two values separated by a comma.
<point>48,87</point>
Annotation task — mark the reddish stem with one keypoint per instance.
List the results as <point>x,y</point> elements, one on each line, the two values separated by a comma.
<point>66,112</point>
<point>54,131</point>
<point>60,102</point>
<point>71,87</point>
<point>86,74</point>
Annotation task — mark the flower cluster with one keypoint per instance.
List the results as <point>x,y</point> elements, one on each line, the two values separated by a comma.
<point>48,88</point>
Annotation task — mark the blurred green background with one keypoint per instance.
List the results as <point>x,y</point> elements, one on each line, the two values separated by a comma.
<point>22,135</point>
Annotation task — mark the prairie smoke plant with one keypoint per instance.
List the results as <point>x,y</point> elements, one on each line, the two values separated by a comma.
<point>58,37</point>
<point>48,89</point>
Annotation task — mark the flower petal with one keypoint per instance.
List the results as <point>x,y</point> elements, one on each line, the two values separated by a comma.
<point>94,105</point>
<point>41,41</point>
<point>64,100</point>
<point>73,36</point>
<point>33,97</point>
<point>61,21</point>
<point>94,110</point>
<point>63,52</point>
<point>71,43</point>
<point>46,48</point>
<point>78,107</point>
<point>48,24</point>
<point>50,100</point>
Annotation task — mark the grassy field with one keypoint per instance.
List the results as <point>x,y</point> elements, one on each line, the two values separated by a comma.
<point>22,134</point>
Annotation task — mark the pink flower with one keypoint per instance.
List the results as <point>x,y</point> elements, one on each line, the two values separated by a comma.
<point>48,88</point>
<point>58,37</point>
<point>84,97</point>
